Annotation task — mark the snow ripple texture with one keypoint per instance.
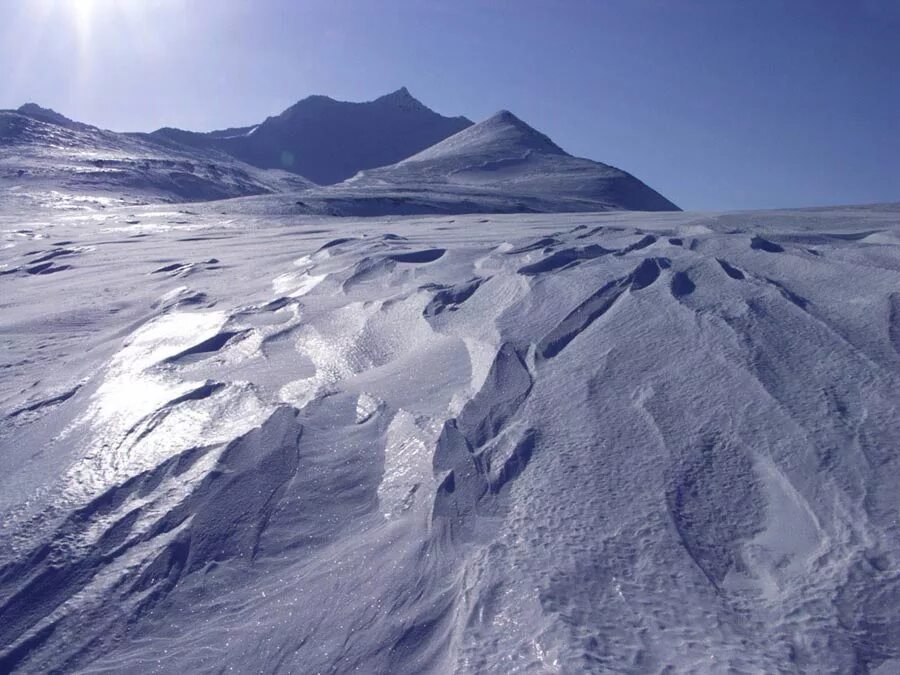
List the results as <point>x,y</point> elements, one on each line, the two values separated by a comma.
<point>480,444</point>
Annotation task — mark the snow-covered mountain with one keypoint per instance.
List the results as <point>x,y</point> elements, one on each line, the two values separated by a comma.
<point>423,163</point>
<point>505,157</point>
<point>328,141</point>
<point>45,156</point>
<point>500,165</point>
<point>555,443</point>
<point>36,112</point>
<point>568,438</point>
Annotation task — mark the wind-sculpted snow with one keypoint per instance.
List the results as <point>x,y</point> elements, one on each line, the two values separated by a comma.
<point>598,304</point>
<point>566,257</point>
<point>567,443</point>
<point>451,297</point>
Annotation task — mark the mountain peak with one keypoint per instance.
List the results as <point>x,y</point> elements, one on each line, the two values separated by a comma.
<point>505,116</point>
<point>501,134</point>
<point>42,114</point>
<point>29,108</point>
<point>402,92</point>
<point>504,157</point>
<point>402,99</point>
<point>327,141</point>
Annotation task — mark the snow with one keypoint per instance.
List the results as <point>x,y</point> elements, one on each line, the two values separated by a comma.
<point>390,156</point>
<point>504,158</point>
<point>44,156</point>
<point>236,436</point>
<point>481,407</point>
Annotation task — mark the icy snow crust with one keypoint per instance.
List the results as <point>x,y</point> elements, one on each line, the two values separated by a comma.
<point>535,443</point>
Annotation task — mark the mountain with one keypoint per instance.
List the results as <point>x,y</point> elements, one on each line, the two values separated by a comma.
<point>393,156</point>
<point>44,152</point>
<point>328,141</point>
<point>503,155</point>
<point>34,111</point>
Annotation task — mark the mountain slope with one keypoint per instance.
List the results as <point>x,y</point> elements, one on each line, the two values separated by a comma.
<point>500,165</point>
<point>328,141</point>
<point>504,155</point>
<point>43,152</point>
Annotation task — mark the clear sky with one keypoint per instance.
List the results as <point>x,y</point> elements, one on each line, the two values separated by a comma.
<point>722,104</point>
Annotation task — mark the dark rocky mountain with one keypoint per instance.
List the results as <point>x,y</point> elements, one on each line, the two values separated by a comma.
<point>328,141</point>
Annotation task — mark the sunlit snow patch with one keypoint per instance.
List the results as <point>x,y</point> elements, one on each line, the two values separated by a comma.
<point>407,463</point>
<point>295,285</point>
<point>366,406</point>
<point>142,413</point>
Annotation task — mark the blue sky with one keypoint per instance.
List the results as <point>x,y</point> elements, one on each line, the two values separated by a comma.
<point>723,104</point>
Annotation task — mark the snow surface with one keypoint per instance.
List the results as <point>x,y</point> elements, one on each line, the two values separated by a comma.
<point>615,442</point>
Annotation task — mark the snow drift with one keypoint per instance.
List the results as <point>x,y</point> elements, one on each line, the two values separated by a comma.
<point>556,443</point>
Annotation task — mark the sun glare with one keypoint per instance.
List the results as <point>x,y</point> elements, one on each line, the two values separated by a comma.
<point>85,17</point>
<point>84,14</point>
<point>93,26</point>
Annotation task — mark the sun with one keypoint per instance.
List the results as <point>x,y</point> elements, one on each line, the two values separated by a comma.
<point>85,14</point>
<point>94,23</point>
<point>85,17</point>
<point>82,12</point>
